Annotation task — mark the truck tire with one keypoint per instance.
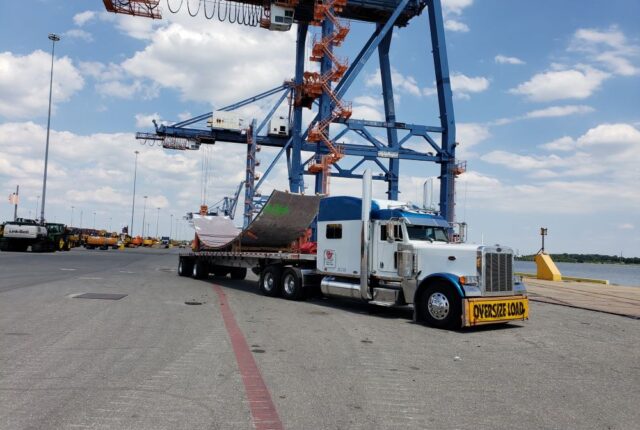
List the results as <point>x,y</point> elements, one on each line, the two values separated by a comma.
<point>440,306</point>
<point>184,267</point>
<point>270,281</point>
<point>238,273</point>
<point>292,288</point>
<point>199,270</point>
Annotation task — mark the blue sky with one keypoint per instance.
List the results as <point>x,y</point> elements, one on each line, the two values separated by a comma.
<point>546,100</point>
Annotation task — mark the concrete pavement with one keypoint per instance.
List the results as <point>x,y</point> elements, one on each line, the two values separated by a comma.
<point>148,361</point>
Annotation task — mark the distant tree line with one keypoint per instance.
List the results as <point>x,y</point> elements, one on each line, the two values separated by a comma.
<point>586,258</point>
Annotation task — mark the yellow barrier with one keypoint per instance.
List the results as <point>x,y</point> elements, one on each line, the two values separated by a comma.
<point>547,269</point>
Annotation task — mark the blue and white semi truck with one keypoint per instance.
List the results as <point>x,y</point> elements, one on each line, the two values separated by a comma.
<point>385,253</point>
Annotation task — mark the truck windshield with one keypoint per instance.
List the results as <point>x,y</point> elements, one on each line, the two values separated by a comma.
<point>432,234</point>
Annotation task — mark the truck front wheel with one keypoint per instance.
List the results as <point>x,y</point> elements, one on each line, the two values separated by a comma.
<point>270,281</point>
<point>440,306</point>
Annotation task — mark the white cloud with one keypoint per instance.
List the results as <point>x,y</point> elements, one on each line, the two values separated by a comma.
<point>82,18</point>
<point>611,134</point>
<point>502,59</point>
<point>462,85</point>
<point>455,25</point>
<point>609,47</point>
<point>76,33</point>
<point>563,144</point>
<point>24,83</point>
<point>145,120</point>
<point>470,134</point>
<point>578,83</point>
<point>626,226</point>
<point>604,155</point>
<point>402,83</point>
<point>455,6</point>
<point>558,111</point>
<point>177,56</point>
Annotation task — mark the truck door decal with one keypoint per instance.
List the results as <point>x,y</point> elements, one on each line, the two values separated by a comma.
<point>329,258</point>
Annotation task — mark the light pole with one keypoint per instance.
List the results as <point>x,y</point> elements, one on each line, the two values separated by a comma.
<point>144,214</point>
<point>110,218</point>
<point>71,225</point>
<point>53,38</point>
<point>133,205</point>
<point>94,220</point>
<point>157,222</point>
<point>170,226</point>
<point>80,218</point>
<point>37,206</point>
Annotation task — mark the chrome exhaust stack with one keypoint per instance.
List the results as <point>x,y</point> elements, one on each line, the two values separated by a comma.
<point>365,294</point>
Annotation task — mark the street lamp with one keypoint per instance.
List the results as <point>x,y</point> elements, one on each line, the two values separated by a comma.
<point>94,220</point>
<point>157,222</point>
<point>133,205</point>
<point>53,38</point>
<point>37,206</point>
<point>71,225</point>
<point>144,214</point>
<point>110,218</point>
<point>170,226</point>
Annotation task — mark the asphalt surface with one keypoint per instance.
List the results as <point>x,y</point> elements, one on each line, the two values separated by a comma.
<point>149,361</point>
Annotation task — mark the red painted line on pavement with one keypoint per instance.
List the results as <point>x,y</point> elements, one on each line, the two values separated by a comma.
<point>263,411</point>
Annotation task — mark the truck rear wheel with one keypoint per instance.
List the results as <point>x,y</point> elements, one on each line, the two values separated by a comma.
<point>270,281</point>
<point>440,306</point>
<point>238,273</point>
<point>199,270</point>
<point>184,267</point>
<point>292,288</point>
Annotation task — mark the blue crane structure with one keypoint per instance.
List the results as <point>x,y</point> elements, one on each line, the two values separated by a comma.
<point>386,154</point>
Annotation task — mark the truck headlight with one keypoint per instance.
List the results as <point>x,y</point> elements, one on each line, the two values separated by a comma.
<point>469,280</point>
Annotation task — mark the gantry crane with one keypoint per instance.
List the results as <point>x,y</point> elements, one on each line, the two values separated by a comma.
<point>326,90</point>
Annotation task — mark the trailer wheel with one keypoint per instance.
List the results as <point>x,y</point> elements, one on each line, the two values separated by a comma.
<point>270,281</point>
<point>184,267</point>
<point>292,288</point>
<point>199,270</point>
<point>238,273</point>
<point>440,306</point>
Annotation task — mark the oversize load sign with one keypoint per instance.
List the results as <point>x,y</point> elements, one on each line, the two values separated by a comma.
<point>497,310</point>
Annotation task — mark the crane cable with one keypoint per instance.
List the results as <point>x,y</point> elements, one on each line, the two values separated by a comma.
<point>234,12</point>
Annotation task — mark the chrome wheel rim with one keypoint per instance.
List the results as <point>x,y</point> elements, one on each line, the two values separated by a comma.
<point>289,284</point>
<point>195,271</point>
<point>438,306</point>
<point>180,268</point>
<point>268,282</point>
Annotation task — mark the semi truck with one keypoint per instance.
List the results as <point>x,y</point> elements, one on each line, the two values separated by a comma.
<point>22,233</point>
<point>385,253</point>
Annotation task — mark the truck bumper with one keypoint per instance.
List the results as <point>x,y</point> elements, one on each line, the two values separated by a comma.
<point>492,310</point>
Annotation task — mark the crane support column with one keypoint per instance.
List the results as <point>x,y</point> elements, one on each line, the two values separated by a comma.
<point>445,104</point>
<point>389,114</point>
<point>325,108</point>
<point>296,171</point>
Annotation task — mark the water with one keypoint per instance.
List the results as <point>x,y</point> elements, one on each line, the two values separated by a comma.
<point>616,273</point>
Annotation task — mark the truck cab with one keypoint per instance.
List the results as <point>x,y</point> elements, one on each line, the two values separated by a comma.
<point>411,260</point>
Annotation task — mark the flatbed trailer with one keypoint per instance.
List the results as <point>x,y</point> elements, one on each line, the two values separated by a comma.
<point>296,271</point>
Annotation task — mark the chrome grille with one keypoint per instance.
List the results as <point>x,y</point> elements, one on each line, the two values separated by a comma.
<point>498,272</point>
